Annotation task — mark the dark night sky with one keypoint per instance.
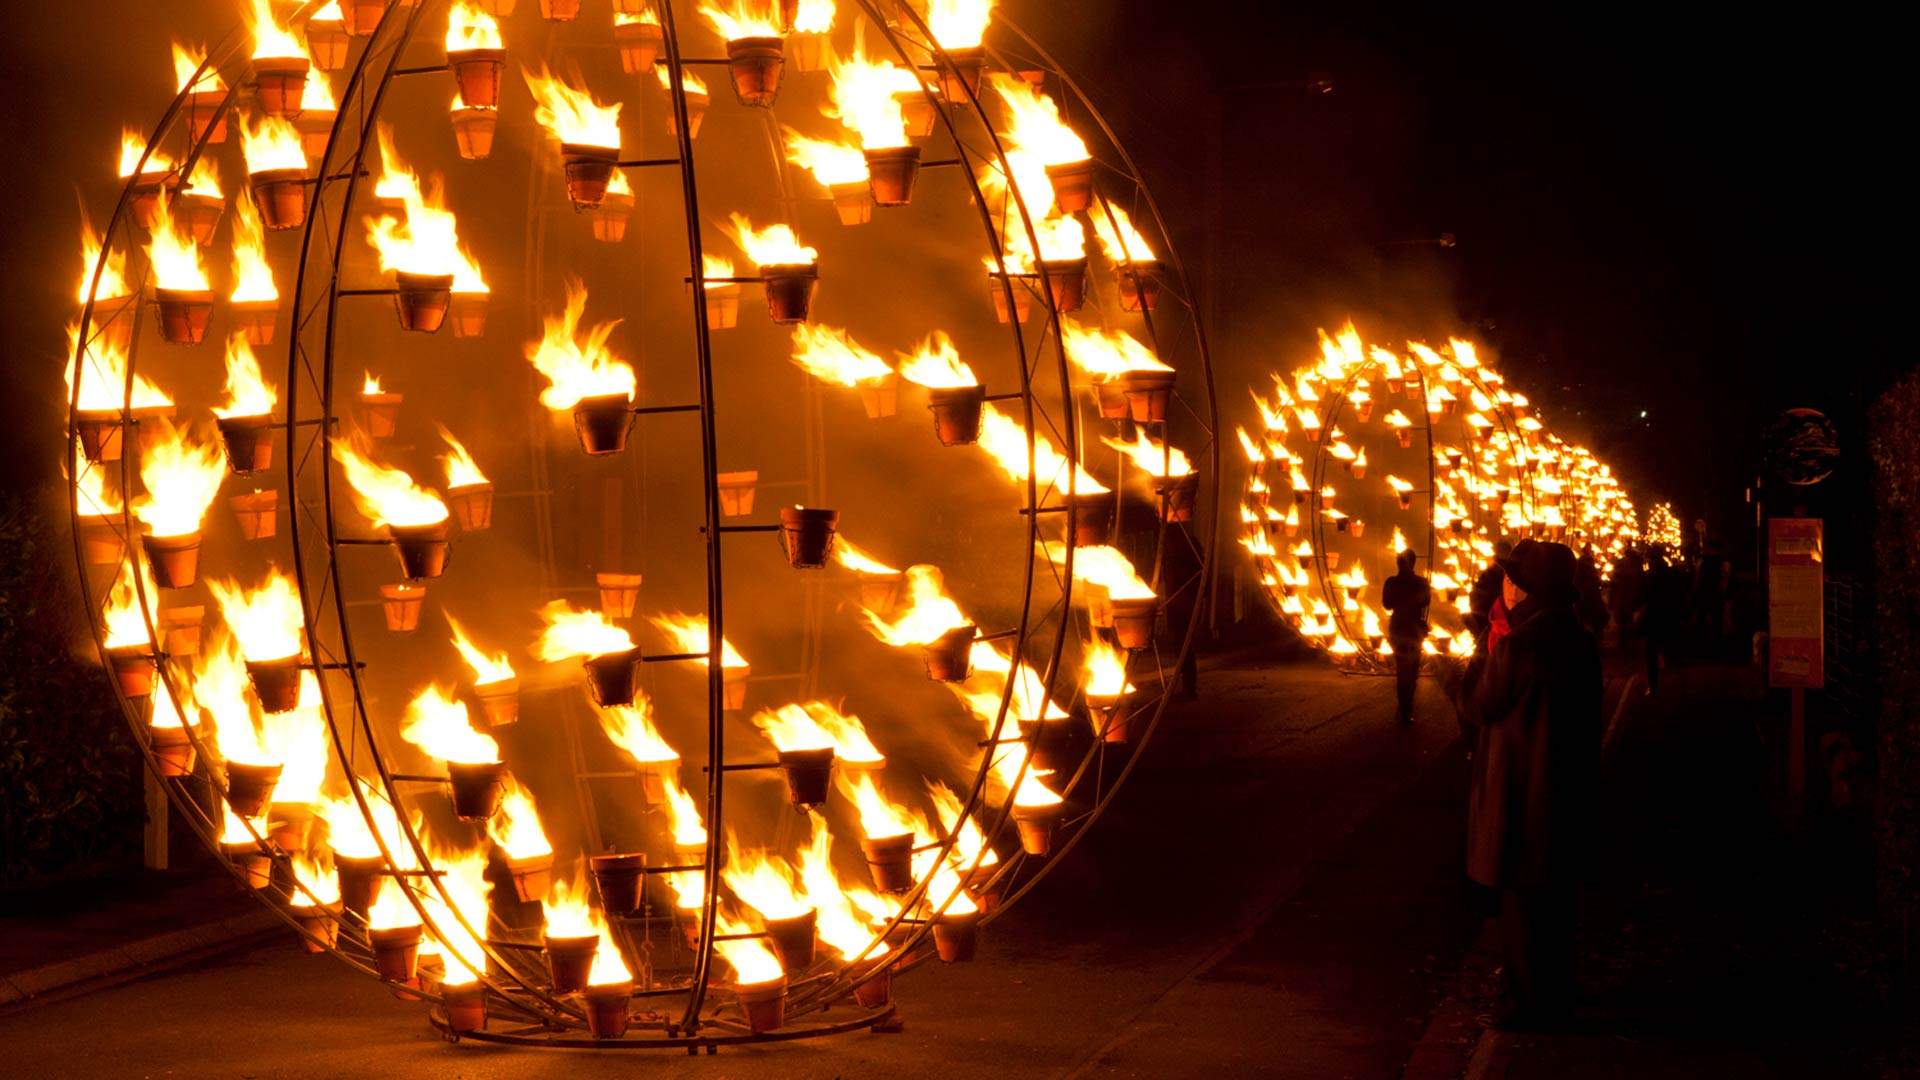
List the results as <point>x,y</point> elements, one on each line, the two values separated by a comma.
<point>1653,211</point>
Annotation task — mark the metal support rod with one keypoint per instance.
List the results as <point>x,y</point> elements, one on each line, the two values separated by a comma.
<point>368,292</point>
<point>725,280</point>
<point>427,69</point>
<point>745,766</point>
<point>650,410</point>
<point>749,528</point>
<point>644,163</point>
<point>664,658</point>
<point>1011,395</point>
<point>417,778</point>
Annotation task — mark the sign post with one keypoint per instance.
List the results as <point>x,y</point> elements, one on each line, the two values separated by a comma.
<point>1796,631</point>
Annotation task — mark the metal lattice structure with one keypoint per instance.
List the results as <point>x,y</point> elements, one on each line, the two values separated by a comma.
<point>676,994</point>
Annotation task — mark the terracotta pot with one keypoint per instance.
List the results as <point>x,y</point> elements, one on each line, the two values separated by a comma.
<point>257,512</point>
<point>764,1003</point>
<point>289,825</point>
<point>950,656</point>
<point>1066,281</point>
<point>878,990</point>
<point>618,593</point>
<point>808,773</point>
<point>396,951</point>
<point>254,864</point>
<point>1036,825</point>
<point>569,960</point>
<point>476,75</point>
<point>1092,516</point>
<point>807,51</point>
<point>736,491</point>
<point>472,506</point>
<point>532,877</point>
<point>1177,495</point>
<point>473,132</point>
<point>402,603</point>
<point>175,559</point>
<point>112,322</point>
<point>956,413</point>
<point>466,1006</point>
<point>145,191</point>
<point>204,118</point>
<point>793,940</point>
<point>172,750</point>
<point>1140,288</point>
<point>880,593</point>
<point>423,549</point>
<point>321,921</point>
<point>696,112</point>
<point>279,82</point>
<point>602,423</point>
<point>198,215</point>
<point>919,115</point>
<point>639,45</point>
<point>610,224</point>
<point>316,130</point>
<point>476,788</point>
<point>1404,436</point>
<point>1072,185</point>
<point>890,174</point>
<point>881,397</point>
<point>469,313</point>
<point>853,201</point>
<point>381,413</point>
<point>807,535</point>
<point>104,544</point>
<point>985,886</point>
<point>99,432</point>
<point>789,290</point>
<point>501,8</point>
<point>618,878</point>
<point>607,1009</point>
<point>956,936</point>
<point>890,861</point>
<point>723,306</point>
<point>255,319</point>
<point>249,442</point>
<point>755,64</point>
<point>422,300</point>
<point>276,683</point>
<point>610,678</point>
<point>1109,715</point>
<point>327,43</point>
<point>733,688</point>
<point>281,197</point>
<point>588,170</point>
<point>1133,621</point>
<point>559,10</point>
<point>963,80</point>
<point>250,787</point>
<point>133,668</point>
<point>359,881</point>
<point>184,314</point>
<point>1148,393</point>
<point>499,701</point>
<point>998,287</point>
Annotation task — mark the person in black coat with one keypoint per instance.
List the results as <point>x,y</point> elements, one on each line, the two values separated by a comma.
<point>1406,596</point>
<point>1536,708</point>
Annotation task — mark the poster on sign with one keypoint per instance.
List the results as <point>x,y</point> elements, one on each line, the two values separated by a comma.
<point>1796,586</point>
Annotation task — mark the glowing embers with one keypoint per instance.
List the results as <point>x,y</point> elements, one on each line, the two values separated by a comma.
<point>831,355</point>
<point>414,517</point>
<point>754,49</point>
<point>606,651</point>
<point>276,171</point>
<point>954,394</point>
<point>1130,380</point>
<point>838,167</point>
<point>245,419</point>
<point>589,134</point>
<point>421,249</point>
<point>181,477</point>
<point>280,62</point>
<point>789,270</point>
<point>584,375</point>
<point>438,725</point>
<point>182,295</point>
<point>865,98</point>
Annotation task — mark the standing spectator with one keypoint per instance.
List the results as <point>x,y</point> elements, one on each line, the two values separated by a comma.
<point>1406,596</point>
<point>1484,597</point>
<point>1663,608</point>
<point>1623,593</point>
<point>1536,706</point>
<point>1592,606</point>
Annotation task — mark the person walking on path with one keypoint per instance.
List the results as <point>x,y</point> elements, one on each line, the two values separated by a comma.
<point>1406,596</point>
<point>1537,714</point>
<point>1663,608</point>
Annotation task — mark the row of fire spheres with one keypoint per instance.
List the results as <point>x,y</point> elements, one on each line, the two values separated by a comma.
<point>245,697</point>
<point>1366,451</point>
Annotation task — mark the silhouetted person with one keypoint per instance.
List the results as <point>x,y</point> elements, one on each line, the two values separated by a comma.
<point>1623,592</point>
<point>1592,606</point>
<point>1537,709</point>
<point>1485,595</point>
<point>1406,596</point>
<point>1663,608</point>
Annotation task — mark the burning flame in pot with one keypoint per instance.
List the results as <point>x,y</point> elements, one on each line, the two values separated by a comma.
<point>173,254</point>
<point>181,478</point>
<point>744,19</point>
<point>813,17</point>
<point>791,727</point>
<point>765,883</point>
<point>470,27</point>
<point>248,392</point>
<point>752,962</point>
<point>113,279</point>
<point>104,379</point>
<point>775,245</point>
<point>830,162</point>
<point>462,470</point>
<point>579,366</point>
<point>270,39</point>
<point>1122,242</point>
<point>132,146</point>
<point>1006,440</point>
<point>274,144</point>
<point>959,24</point>
<point>437,723</point>
<point>690,635</point>
<point>572,633</point>
<point>1034,125</point>
<point>388,497</point>
<point>864,96</point>
<point>1156,459</point>
<point>571,114</point>
<point>1106,669</point>
<point>631,728</point>
<point>565,910</point>
<point>220,691</point>
<point>970,847</point>
<point>427,241</point>
<point>936,363</point>
<point>926,612</point>
<point>1107,354</point>
<point>844,928</point>
<point>860,561</point>
<point>515,825</point>
<point>609,967</point>
<point>391,910</point>
<point>186,64</point>
<point>831,355</point>
<point>851,745</point>
<point>267,620</point>
<point>487,668</point>
<point>126,623</point>
<point>319,882</point>
<point>879,817</point>
<point>252,276</point>
<point>90,488</point>
<point>297,739</point>
<point>696,89</point>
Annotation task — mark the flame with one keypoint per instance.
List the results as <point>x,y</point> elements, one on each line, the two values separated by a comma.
<point>186,64</point>
<point>1157,459</point>
<point>319,883</point>
<point>1034,123</point>
<point>270,39</point>
<point>566,911</point>
<point>830,162</point>
<point>175,257</point>
<point>267,620</point>
<point>879,817</point>
<point>958,24</point>
<point>831,355</point>
<point>349,835</point>
<point>683,816</point>
<point>125,621</point>
<point>716,266</point>
<point>464,877</point>
<point>297,738</point>
<point>515,826</point>
<point>571,633</point>
<point>936,363</point>
<point>316,94</point>
<point>438,724</point>
<point>859,561</point>
<point>204,180</point>
<point>488,668</point>
<point>571,114</point>
<point>462,470</point>
<point>618,184</point>
<point>1118,238</point>
<point>370,384</point>
<point>764,882</point>
<point>132,146</point>
<point>274,144</point>
<point>579,366</point>
<point>113,279</point>
<point>427,241</point>
<point>775,245</point>
<point>1006,440</point>
<point>166,712</point>
<point>395,180</point>
<point>235,829</point>
<point>693,83</point>
<point>388,496</point>
<point>813,17</point>
<point>631,728</point>
<point>1106,354</point>
<point>970,846</point>
<point>690,633</point>
<point>220,691</point>
<point>181,478</point>
<point>752,962</point>
<point>926,613</point>
<point>470,27</point>
<point>248,392</point>
<point>104,380</point>
<point>864,96</point>
<point>850,742</point>
<point>792,727</point>
<point>609,967</point>
<point>391,910</point>
<point>252,277</point>
<point>1100,565</point>
<point>745,19</point>
<point>645,16</point>
<point>844,929</point>
<point>1106,669</point>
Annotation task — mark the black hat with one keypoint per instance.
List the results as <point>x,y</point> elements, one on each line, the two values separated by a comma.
<point>1545,569</point>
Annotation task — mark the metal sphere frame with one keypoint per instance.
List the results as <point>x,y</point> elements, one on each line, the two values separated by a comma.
<point>316,540</point>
